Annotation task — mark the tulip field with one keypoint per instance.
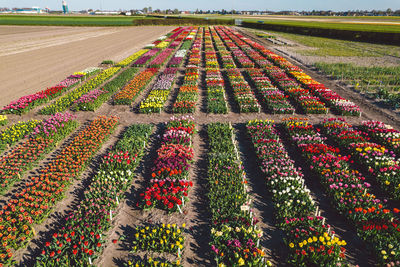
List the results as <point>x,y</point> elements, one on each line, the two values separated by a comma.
<point>203,148</point>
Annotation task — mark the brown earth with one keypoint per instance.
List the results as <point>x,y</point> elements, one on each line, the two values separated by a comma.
<point>33,58</point>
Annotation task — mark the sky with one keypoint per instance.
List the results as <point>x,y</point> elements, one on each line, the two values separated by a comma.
<point>274,5</point>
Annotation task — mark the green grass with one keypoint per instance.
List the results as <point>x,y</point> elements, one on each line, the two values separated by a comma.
<point>320,46</point>
<point>68,20</point>
<point>380,82</point>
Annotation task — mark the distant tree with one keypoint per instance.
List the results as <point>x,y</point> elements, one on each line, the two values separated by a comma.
<point>389,11</point>
<point>176,11</point>
<point>145,10</point>
<point>150,9</point>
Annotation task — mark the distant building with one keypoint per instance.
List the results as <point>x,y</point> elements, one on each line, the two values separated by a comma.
<point>32,10</point>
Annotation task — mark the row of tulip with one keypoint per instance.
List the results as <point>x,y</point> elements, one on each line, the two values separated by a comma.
<point>82,237</point>
<point>142,61</point>
<point>95,98</point>
<point>302,97</point>
<point>375,223</point>
<point>380,162</point>
<point>152,262</point>
<point>43,139</point>
<point>334,100</point>
<point>66,101</point>
<point>242,92</point>
<point>159,238</point>
<point>383,134</point>
<point>309,240</point>
<point>216,98</point>
<point>169,184</point>
<point>273,98</point>
<point>341,105</point>
<point>225,56</point>
<point>159,92</point>
<point>3,120</point>
<point>241,58</point>
<point>157,46</point>
<point>161,58</point>
<point>210,56</point>
<point>26,103</point>
<point>133,88</point>
<point>188,92</point>
<point>257,58</point>
<point>181,54</point>
<point>16,132</point>
<point>234,234</point>
<point>33,203</point>
<point>127,61</point>
<point>195,52</point>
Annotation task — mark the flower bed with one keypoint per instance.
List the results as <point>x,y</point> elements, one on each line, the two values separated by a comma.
<point>341,105</point>
<point>150,262</point>
<point>188,92</point>
<point>95,98</point>
<point>131,58</point>
<point>160,238</point>
<point>159,60</point>
<point>142,61</point>
<point>43,139</point>
<point>234,234</point>
<point>272,97</point>
<point>26,103</point>
<point>169,185</point>
<point>375,224</point>
<point>82,235</point>
<point>39,196</point>
<point>16,132</point>
<point>243,94</point>
<point>216,98</point>
<point>159,92</point>
<point>383,134</point>
<point>309,240</point>
<point>66,101</point>
<point>380,162</point>
<point>130,91</point>
<point>3,120</point>
<point>338,103</point>
<point>308,103</point>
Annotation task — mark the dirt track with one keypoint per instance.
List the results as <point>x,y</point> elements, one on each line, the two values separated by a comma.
<point>33,58</point>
